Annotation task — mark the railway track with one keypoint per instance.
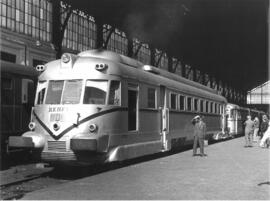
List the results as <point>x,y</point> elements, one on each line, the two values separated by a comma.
<point>17,180</point>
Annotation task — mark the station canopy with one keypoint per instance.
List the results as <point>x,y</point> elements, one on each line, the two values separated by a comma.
<point>260,94</point>
<point>223,38</point>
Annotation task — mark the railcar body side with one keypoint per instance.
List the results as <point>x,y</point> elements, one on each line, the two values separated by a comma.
<point>99,106</point>
<point>236,116</point>
<point>17,98</point>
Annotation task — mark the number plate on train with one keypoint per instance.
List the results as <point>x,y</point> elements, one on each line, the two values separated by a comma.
<point>56,117</point>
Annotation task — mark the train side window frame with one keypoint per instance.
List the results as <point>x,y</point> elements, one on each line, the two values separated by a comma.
<point>195,104</point>
<point>175,101</point>
<point>9,83</point>
<point>150,103</point>
<point>207,106</point>
<point>7,92</point>
<point>220,108</point>
<point>182,107</point>
<point>41,88</point>
<point>116,102</point>
<point>201,105</point>
<point>189,103</point>
<point>211,107</point>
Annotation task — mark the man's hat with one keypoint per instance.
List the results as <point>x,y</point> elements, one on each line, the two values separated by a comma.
<point>197,117</point>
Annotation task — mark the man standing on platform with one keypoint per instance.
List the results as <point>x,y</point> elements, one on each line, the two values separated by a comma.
<point>199,134</point>
<point>249,129</point>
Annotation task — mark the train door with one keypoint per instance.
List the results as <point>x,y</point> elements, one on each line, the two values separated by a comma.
<point>164,118</point>
<point>132,107</point>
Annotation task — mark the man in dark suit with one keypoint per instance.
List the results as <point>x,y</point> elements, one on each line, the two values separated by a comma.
<point>199,135</point>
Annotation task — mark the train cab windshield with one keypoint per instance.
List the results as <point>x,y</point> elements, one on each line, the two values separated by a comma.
<point>70,92</point>
<point>64,92</point>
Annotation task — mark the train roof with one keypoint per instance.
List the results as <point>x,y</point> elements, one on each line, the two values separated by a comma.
<point>109,55</point>
<point>124,66</point>
<point>8,67</point>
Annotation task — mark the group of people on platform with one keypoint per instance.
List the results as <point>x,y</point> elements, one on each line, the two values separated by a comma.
<point>255,131</point>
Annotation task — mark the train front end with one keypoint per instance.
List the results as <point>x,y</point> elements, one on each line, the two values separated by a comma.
<point>76,98</point>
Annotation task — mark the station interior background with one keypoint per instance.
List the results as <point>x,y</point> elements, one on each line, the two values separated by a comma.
<point>26,39</point>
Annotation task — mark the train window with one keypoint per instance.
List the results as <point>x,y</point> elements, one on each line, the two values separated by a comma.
<point>151,98</point>
<point>201,106</point>
<point>182,102</point>
<point>220,109</point>
<point>7,94</point>
<point>239,115</point>
<point>95,92</point>
<point>195,104</point>
<point>72,92</point>
<point>206,106</point>
<point>54,92</point>
<point>189,103</point>
<point>215,108</point>
<point>173,101</point>
<point>115,93</point>
<point>8,57</point>
<point>6,83</point>
<point>41,89</point>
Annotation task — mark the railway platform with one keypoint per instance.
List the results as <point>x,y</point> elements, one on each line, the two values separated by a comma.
<point>229,172</point>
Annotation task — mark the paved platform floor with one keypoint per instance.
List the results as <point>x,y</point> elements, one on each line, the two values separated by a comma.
<point>230,172</point>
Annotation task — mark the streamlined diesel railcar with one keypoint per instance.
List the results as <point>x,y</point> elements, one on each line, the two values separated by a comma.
<point>236,116</point>
<point>17,98</point>
<point>99,106</point>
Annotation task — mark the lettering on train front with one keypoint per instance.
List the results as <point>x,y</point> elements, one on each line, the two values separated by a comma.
<point>58,109</point>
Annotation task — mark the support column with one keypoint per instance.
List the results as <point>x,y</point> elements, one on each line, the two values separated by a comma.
<point>152,56</point>
<point>100,41</point>
<point>56,28</point>
<point>195,78</point>
<point>130,47</point>
<point>106,42</point>
<point>170,64</point>
<point>183,70</point>
<point>268,33</point>
<point>203,78</point>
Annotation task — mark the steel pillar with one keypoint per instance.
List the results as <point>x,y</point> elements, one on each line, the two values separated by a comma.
<point>58,29</point>
<point>99,42</point>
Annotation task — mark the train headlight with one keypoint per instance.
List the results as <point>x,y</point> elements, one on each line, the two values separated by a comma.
<point>31,126</point>
<point>56,126</point>
<point>65,58</point>
<point>40,68</point>
<point>101,67</point>
<point>93,128</point>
